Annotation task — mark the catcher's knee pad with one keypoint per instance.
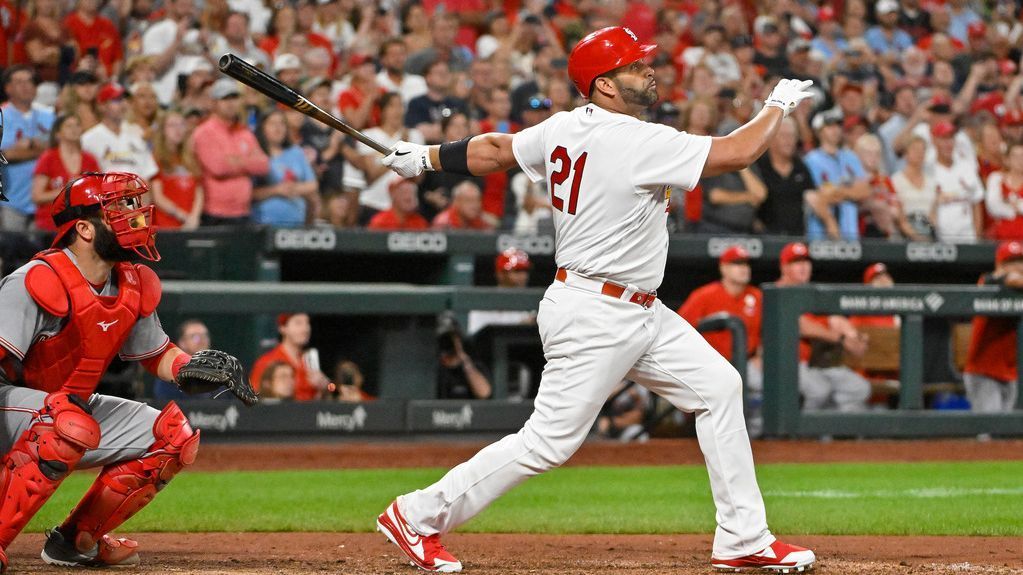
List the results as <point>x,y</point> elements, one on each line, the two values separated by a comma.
<point>41,458</point>
<point>123,488</point>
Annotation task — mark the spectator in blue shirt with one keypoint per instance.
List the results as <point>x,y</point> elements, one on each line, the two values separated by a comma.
<point>26,136</point>
<point>840,179</point>
<point>288,196</point>
<point>886,39</point>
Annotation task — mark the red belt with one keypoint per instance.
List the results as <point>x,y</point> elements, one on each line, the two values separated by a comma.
<point>645,299</point>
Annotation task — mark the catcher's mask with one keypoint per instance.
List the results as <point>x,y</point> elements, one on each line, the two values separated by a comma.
<point>117,198</point>
<point>3,160</point>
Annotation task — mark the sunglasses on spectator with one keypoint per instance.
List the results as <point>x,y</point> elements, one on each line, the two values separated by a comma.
<point>538,104</point>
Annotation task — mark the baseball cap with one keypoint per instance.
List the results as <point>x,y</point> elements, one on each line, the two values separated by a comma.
<point>977,29</point>
<point>734,254</point>
<point>794,252</point>
<point>358,59</point>
<point>741,41</point>
<point>1008,251</point>
<point>826,14</point>
<point>827,118</point>
<point>798,45</point>
<point>940,103</point>
<point>315,82</point>
<point>1012,118</point>
<point>287,62</point>
<point>873,271</point>
<point>853,121</point>
<point>886,6</point>
<point>943,130</point>
<point>224,88</point>
<point>1006,67</point>
<point>512,259</point>
<point>110,92</point>
<point>80,77</point>
<point>199,65</point>
<point>851,87</point>
<point>282,318</point>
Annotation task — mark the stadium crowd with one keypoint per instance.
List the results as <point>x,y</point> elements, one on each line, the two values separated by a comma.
<point>914,132</point>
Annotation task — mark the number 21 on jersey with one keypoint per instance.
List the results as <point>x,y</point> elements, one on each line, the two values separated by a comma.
<point>566,167</point>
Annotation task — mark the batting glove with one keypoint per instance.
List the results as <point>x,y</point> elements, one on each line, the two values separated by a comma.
<point>788,94</point>
<point>408,160</point>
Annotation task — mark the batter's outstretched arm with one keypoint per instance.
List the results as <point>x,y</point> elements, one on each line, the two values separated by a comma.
<point>477,156</point>
<point>742,147</point>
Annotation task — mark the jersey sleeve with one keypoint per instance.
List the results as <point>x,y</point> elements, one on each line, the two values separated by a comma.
<point>664,156</point>
<point>21,319</point>
<point>146,339</point>
<point>527,146</point>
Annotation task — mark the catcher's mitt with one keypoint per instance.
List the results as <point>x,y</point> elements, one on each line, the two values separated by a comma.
<point>210,369</point>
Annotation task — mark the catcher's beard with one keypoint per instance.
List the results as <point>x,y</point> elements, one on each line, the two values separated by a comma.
<point>107,247</point>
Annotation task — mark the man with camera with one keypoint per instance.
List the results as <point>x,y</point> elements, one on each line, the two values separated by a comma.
<point>458,377</point>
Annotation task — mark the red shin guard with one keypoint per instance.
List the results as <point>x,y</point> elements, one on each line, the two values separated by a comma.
<point>122,489</point>
<point>41,458</point>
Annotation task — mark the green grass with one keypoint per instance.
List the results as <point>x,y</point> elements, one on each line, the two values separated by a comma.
<point>907,498</point>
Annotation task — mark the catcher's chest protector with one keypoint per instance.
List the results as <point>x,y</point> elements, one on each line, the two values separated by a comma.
<point>96,328</point>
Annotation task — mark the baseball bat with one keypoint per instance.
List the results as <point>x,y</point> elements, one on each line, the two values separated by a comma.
<point>269,86</point>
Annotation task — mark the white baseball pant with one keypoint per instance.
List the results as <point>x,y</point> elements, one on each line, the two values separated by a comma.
<point>591,342</point>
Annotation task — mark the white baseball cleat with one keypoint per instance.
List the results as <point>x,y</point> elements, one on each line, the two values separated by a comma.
<point>778,558</point>
<point>426,553</point>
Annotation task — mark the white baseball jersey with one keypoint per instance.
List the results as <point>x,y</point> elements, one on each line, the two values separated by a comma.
<point>610,177</point>
<point>125,151</point>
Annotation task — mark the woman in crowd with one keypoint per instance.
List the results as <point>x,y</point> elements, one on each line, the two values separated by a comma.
<point>57,166</point>
<point>177,189</point>
<point>1004,199</point>
<point>78,98</point>
<point>143,109</point>
<point>416,25</point>
<point>277,382</point>
<point>391,130</point>
<point>916,189</point>
<point>288,195</point>
<point>44,39</point>
<point>882,211</point>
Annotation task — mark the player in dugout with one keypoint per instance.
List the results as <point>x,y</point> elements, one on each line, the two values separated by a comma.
<point>66,314</point>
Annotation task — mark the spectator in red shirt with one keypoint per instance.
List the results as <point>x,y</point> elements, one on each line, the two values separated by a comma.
<point>495,186</point>
<point>96,36</point>
<point>1004,198</point>
<point>402,215</point>
<point>61,163</point>
<point>295,331</point>
<point>358,103</point>
<point>990,375</point>
<point>824,381</point>
<point>465,212</point>
<point>177,189</point>
<point>733,295</point>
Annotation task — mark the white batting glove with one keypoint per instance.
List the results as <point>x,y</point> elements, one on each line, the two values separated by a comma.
<point>788,94</point>
<point>408,160</point>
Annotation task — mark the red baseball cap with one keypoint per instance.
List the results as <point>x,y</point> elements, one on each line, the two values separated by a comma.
<point>943,130</point>
<point>512,259</point>
<point>794,252</point>
<point>940,101</point>
<point>873,271</point>
<point>734,254</point>
<point>1012,118</point>
<point>1008,251</point>
<point>977,29</point>
<point>1006,67</point>
<point>110,92</point>
<point>826,14</point>
<point>282,318</point>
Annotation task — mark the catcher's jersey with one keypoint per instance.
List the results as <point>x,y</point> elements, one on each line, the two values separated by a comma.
<point>23,322</point>
<point>610,177</point>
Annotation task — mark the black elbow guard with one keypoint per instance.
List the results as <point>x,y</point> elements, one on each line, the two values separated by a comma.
<point>454,157</point>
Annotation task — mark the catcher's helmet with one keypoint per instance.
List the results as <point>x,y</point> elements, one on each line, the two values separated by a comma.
<point>512,259</point>
<point>603,51</point>
<point>117,197</point>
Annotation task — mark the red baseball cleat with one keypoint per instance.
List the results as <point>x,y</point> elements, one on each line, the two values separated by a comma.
<point>779,558</point>
<point>427,553</point>
<point>108,552</point>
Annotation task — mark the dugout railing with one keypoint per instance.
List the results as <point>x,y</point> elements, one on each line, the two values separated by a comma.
<point>781,405</point>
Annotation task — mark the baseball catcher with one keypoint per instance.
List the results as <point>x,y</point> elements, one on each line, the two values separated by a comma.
<point>67,313</point>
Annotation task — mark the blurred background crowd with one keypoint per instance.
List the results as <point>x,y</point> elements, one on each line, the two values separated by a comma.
<point>914,131</point>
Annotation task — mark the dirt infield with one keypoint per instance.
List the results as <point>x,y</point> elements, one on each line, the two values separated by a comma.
<point>343,553</point>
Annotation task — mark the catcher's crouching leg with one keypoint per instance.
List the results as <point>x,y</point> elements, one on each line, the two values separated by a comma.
<point>41,458</point>
<point>123,488</point>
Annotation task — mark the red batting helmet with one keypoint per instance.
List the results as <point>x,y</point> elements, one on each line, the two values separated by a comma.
<point>601,52</point>
<point>512,259</point>
<point>117,197</point>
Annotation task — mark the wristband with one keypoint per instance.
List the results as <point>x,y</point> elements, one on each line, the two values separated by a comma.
<point>178,363</point>
<point>454,157</point>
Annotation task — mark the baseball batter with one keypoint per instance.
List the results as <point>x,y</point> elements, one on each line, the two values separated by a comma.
<point>610,178</point>
<point>65,315</point>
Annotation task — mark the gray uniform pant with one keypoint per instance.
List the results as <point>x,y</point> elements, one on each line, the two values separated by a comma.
<point>989,395</point>
<point>126,427</point>
<point>832,387</point>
